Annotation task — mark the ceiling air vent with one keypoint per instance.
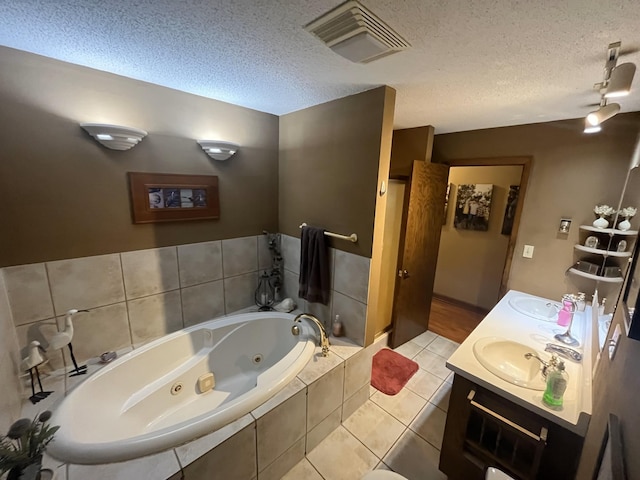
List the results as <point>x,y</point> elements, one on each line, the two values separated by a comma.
<point>355,33</point>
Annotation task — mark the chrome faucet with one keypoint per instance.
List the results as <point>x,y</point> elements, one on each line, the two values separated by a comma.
<point>545,365</point>
<point>565,352</point>
<point>324,340</point>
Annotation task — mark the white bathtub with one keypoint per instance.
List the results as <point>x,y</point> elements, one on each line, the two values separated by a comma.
<point>130,409</point>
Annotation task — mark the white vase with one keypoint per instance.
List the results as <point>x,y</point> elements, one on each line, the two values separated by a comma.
<point>601,222</point>
<point>624,225</point>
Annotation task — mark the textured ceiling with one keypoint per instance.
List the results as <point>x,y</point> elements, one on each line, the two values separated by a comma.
<point>473,64</point>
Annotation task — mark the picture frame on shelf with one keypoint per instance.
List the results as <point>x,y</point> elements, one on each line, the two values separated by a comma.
<point>592,242</point>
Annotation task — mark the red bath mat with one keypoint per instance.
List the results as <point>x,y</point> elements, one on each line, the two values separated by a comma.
<point>391,371</point>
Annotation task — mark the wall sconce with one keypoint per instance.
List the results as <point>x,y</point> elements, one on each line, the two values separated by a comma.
<point>115,137</point>
<point>219,150</point>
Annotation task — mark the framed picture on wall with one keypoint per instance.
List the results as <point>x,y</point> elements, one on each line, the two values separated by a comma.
<point>168,197</point>
<point>510,209</point>
<point>473,207</point>
<point>446,203</point>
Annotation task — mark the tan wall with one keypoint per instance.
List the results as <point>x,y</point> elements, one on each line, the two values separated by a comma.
<point>571,173</point>
<point>410,144</point>
<point>65,196</point>
<point>475,256</point>
<point>329,157</point>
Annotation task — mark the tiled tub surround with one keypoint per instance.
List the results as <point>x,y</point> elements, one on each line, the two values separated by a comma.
<point>264,444</point>
<point>349,288</point>
<point>133,297</point>
<point>11,397</point>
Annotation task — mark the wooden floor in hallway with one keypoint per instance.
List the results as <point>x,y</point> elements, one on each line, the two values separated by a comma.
<point>452,320</point>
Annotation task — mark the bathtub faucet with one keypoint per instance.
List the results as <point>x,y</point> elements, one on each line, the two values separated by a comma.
<point>324,341</point>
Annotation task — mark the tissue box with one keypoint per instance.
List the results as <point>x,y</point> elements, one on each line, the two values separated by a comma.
<point>588,267</point>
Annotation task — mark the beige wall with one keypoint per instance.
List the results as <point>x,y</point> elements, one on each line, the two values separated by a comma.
<point>410,144</point>
<point>66,196</point>
<point>329,156</point>
<point>571,173</point>
<point>475,256</point>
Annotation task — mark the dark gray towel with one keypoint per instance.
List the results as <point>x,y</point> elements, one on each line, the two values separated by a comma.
<point>314,266</point>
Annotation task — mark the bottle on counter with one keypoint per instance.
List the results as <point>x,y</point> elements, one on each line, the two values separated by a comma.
<point>581,302</point>
<point>565,315</point>
<point>601,307</point>
<point>557,380</point>
<point>337,328</point>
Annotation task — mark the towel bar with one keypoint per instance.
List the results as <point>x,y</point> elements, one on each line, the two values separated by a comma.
<point>352,238</point>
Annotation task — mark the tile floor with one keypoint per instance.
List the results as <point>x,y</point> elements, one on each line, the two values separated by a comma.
<point>402,433</point>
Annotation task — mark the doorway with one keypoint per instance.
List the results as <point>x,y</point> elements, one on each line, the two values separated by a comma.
<point>474,258</point>
<point>450,321</point>
<point>390,247</point>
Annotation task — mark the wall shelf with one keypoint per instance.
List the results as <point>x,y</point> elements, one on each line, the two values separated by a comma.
<point>609,231</point>
<point>599,251</point>
<point>597,278</point>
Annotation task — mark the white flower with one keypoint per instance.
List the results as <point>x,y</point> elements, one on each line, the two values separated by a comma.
<point>604,210</point>
<point>628,212</point>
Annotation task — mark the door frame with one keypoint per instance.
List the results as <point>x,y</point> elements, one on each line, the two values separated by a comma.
<point>526,163</point>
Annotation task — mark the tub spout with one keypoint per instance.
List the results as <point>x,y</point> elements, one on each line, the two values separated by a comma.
<point>324,340</point>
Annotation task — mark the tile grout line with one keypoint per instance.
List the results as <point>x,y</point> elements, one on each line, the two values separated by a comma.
<point>179,285</point>
<point>55,320</point>
<point>126,300</point>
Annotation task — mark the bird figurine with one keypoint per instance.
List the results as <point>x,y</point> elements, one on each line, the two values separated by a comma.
<point>30,364</point>
<point>63,339</point>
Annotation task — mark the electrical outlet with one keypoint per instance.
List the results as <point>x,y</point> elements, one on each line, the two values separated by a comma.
<point>528,251</point>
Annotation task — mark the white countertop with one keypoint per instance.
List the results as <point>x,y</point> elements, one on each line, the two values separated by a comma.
<point>505,322</point>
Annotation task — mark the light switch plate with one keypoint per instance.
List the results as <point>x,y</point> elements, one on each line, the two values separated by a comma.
<point>528,251</point>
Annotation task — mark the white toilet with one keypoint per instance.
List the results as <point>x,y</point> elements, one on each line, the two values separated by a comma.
<point>492,474</point>
<point>495,474</point>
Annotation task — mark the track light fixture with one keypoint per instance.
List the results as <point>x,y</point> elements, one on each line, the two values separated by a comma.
<point>588,128</point>
<point>616,82</point>
<point>604,113</point>
<point>619,84</point>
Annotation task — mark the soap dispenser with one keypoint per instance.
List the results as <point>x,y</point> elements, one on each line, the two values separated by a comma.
<point>557,380</point>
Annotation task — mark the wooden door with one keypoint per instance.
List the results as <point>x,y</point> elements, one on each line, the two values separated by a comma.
<point>424,216</point>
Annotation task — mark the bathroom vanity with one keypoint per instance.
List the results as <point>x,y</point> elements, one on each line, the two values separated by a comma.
<point>496,416</point>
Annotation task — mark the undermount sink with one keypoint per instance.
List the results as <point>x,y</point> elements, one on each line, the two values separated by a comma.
<point>506,359</point>
<point>537,308</point>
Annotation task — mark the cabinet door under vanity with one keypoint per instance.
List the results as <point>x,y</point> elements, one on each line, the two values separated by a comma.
<point>484,429</point>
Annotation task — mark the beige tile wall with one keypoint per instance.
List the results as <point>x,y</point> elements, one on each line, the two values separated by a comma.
<point>349,288</point>
<point>11,398</point>
<point>133,297</point>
